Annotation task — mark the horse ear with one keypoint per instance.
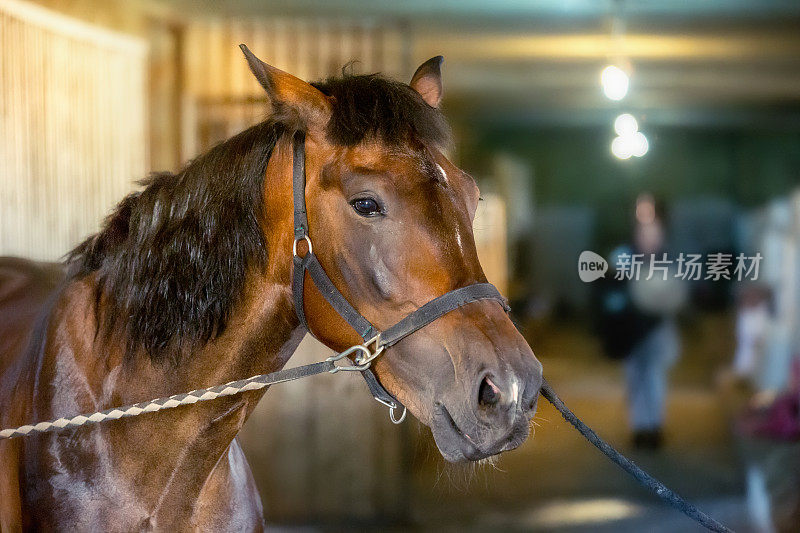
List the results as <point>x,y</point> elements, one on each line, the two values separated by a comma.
<point>427,81</point>
<point>287,90</point>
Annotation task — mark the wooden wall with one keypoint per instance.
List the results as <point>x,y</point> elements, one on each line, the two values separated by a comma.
<point>72,127</point>
<point>490,230</point>
<point>221,96</point>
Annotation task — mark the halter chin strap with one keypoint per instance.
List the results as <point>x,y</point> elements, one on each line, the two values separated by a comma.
<point>375,341</point>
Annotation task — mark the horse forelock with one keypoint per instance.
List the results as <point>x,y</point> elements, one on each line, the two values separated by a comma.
<point>370,105</point>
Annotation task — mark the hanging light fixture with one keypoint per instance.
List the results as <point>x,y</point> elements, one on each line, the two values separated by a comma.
<point>630,142</point>
<point>615,82</point>
<point>615,77</point>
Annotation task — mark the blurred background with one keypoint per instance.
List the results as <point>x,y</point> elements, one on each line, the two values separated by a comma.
<point>94,94</point>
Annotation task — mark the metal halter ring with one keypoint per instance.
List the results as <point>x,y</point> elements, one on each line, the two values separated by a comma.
<point>392,407</point>
<point>303,238</point>
<point>397,420</point>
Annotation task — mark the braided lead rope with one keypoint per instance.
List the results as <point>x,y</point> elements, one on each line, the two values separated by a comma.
<point>199,395</point>
<point>263,380</point>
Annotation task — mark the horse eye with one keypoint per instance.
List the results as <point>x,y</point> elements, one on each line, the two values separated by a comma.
<point>366,207</point>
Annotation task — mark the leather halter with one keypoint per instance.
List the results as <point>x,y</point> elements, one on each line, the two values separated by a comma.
<point>375,341</point>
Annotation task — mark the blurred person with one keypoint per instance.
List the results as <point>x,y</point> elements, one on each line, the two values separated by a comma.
<point>738,383</point>
<point>752,327</point>
<point>769,413</point>
<point>638,324</point>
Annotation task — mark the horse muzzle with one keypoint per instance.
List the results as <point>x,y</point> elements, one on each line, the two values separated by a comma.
<point>496,418</point>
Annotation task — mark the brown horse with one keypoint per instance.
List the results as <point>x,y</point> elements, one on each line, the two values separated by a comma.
<point>188,285</point>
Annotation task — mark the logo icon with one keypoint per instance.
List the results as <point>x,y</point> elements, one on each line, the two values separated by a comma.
<point>591,266</point>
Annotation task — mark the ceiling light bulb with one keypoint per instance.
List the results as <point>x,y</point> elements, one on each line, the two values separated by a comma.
<point>625,124</point>
<point>615,82</point>
<point>639,144</point>
<point>621,147</point>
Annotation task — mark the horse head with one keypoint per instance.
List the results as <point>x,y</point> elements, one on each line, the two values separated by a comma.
<point>391,219</point>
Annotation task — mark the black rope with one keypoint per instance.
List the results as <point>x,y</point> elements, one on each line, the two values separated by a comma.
<point>630,467</point>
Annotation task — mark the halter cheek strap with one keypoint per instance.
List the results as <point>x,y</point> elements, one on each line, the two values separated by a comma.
<point>375,341</point>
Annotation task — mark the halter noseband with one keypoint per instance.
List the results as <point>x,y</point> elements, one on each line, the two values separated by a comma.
<point>375,342</point>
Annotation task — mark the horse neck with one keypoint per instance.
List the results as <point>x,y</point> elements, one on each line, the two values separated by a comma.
<point>263,330</point>
<point>80,370</point>
<point>89,371</point>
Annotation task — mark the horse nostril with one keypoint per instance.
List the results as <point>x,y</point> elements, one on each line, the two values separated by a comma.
<point>488,393</point>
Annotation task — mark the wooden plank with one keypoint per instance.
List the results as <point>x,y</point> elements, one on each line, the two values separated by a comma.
<point>164,94</point>
<point>52,22</point>
<point>74,138</point>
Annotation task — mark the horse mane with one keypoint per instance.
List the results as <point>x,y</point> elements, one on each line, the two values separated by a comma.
<point>171,259</point>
